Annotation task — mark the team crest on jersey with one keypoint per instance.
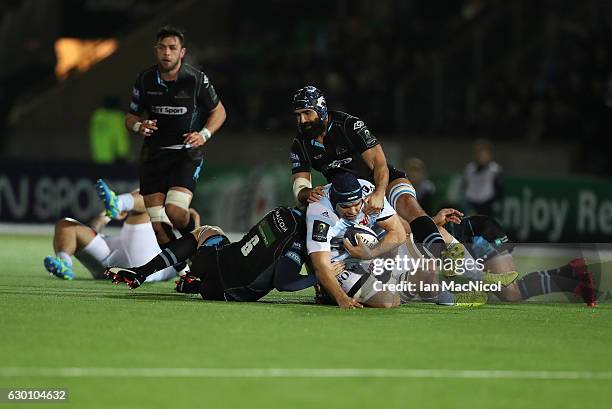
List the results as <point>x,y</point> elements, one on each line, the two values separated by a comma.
<point>319,231</point>
<point>365,221</point>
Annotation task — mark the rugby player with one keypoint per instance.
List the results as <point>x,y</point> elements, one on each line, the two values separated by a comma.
<point>270,256</point>
<point>341,207</point>
<point>485,238</point>
<point>334,141</point>
<point>176,110</point>
<point>135,243</point>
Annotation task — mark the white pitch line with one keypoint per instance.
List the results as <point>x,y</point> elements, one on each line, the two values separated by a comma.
<point>302,373</point>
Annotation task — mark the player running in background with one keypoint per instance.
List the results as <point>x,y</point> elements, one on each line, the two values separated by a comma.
<point>135,243</point>
<point>334,141</point>
<point>176,110</point>
<point>270,256</point>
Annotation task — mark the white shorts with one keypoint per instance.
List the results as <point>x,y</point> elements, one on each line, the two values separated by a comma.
<point>135,245</point>
<point>357,281</point>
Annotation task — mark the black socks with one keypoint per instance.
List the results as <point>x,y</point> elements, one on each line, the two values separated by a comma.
<point>425,232</point>
<point>173,253</point>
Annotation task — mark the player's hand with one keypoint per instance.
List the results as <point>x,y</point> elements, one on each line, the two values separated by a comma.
<point>194,139</point>
<point>147,127</point>
<point>447,215</point>
<point>316,194</point>
<point>338,267</point>
<point>374,202</point>
<point>360,251</point>
<point>349,303</point>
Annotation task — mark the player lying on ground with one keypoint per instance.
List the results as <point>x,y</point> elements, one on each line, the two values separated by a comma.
<point>485,238</point>
<point>482,238</point>
<point>327,220</point>
<point>135,243</point>
<point>338,212</point>
<point>270,256</point>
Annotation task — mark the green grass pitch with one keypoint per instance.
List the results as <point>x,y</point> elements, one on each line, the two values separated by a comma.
<point>87,324</point>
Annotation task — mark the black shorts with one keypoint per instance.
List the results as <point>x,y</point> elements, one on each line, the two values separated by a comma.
<point>480,225</point>
<point>395,173</point>
<point>205,264</point>
<point>162,169</point>
<point>485,227</point>
<point>226,277</point>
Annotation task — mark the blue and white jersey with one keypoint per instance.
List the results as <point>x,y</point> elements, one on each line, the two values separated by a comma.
<point>325,229</point>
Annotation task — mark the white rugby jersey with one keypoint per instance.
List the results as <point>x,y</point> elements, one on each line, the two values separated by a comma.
<point>324,225</point>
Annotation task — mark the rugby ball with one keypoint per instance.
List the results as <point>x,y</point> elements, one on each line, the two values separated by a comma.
<point>367,235</point>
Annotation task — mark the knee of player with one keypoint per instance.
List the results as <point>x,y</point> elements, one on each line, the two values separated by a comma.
<point>65,222</point>
<point>202,233</point>
<point>407,207</point>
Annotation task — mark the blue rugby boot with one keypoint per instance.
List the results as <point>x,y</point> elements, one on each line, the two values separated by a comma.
<point>58,267</point>
<point>109,198</point>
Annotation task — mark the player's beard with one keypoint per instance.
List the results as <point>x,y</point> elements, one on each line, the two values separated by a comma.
<point>312,129</point>
<point>165,68</point>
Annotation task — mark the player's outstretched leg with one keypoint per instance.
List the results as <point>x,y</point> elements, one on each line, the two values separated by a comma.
<point>131,277</point>
<point>174,253</point>
<point>574,277</point>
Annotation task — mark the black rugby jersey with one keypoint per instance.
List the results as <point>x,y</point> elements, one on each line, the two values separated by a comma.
<point>346,139</point>
<point>281,233</point>
<point>180,106</point>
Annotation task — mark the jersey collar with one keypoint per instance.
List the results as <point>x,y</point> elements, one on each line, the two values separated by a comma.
<point>162,83</point>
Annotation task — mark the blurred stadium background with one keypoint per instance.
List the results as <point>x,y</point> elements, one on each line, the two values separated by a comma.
<point>532,77</point>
